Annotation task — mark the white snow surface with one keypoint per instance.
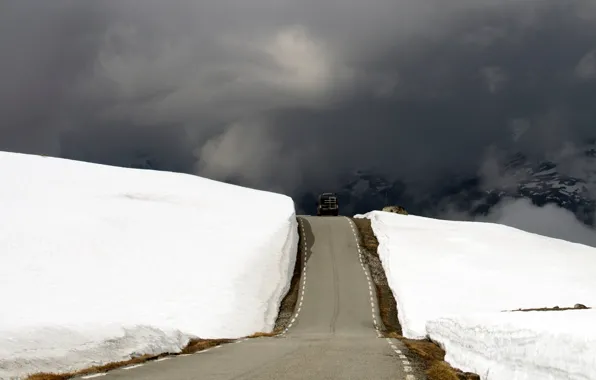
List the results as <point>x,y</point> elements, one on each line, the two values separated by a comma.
<point>521,345</point>
<point>98,263</point>
<point>454,280</point>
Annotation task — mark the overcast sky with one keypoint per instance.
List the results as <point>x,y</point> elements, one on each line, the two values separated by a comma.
<point>261,90</point>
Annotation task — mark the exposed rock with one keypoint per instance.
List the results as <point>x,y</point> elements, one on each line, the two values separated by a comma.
<point>395,209</point>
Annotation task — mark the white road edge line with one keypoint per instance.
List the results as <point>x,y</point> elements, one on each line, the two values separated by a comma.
<point>94,375</point>
<point>132,366</point>
<point>303,274</point>
<point>405,363</point>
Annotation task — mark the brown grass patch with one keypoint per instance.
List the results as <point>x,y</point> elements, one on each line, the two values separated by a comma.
<point>388,309</point>
<point>92,370</point>
<point>430,355</point>
<point>578,306</point>
<point>289,302</point>
<point>264,334</point>
<point>196,345</point>
<point>386,301</point>
<point>286,311</point>
<point>440,370</point>
<point>367,236</point>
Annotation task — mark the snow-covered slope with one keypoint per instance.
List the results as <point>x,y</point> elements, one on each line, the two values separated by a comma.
<point>99,262</point>
<point>453,280</point>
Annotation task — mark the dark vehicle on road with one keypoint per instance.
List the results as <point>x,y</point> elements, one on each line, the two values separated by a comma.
<point>327,204</point>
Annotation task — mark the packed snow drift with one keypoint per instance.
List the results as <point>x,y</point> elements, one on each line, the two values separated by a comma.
<point>522,345</point>
<point>98,263</point>
<point>454,281</point>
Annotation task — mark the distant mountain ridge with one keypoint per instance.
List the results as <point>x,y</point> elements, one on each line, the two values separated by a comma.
<point>569,183</point>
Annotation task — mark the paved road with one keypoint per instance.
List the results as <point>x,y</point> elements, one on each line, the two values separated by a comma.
<point>332,337</point>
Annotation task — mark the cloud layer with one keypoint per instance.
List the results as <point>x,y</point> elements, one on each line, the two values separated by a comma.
<point>291,94</point>
<point>549,220</point>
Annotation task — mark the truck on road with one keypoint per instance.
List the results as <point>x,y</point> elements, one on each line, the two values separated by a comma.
<point>327,204</point>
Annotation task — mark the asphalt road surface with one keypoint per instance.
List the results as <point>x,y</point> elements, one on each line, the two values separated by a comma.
<point>333,336</point>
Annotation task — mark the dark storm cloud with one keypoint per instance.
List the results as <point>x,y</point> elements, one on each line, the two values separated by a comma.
<point>43,47</point>
<point>493,78</point>
<point>286,94</point>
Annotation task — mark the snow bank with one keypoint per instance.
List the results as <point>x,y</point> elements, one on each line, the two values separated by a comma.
<point>99,262</point>
<point>439,267</point>
<point>521,345</point>
<point>442,272</point>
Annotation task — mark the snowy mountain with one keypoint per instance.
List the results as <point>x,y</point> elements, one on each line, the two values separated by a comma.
<point>554,182</point>
<point>568,181</point>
